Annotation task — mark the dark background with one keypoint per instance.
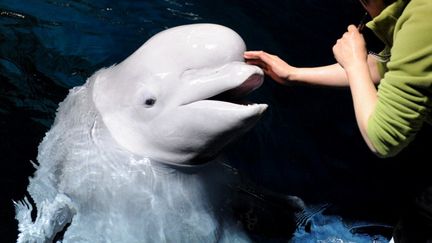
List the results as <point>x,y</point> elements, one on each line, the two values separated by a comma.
<point>307,144</point>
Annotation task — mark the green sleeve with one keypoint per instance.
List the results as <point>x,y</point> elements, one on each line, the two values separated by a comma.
<point>405,92</point>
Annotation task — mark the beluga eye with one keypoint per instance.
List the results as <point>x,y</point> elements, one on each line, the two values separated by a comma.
<point>149,102</point>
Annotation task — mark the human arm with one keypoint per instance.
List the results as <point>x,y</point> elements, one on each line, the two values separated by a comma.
<point>285,74</point>
<point>360,73</point>
<point>350,52</point>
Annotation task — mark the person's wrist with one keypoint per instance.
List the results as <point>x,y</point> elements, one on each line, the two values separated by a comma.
<point>356,65</point>
<point>291,74</point>
<point>356,70</point>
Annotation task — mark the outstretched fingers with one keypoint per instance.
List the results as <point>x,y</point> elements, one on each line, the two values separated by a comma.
<point>261,59</point>
<point>261,55</point>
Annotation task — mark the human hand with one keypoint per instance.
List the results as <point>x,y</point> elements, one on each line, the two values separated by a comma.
<point>272,65</point>
<point>350,49</point>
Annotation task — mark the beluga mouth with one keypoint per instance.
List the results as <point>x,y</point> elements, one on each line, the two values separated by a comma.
<point>229,84</point>
<point>238,94</point>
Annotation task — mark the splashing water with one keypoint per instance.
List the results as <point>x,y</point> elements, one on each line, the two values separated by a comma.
<point>331,229</point>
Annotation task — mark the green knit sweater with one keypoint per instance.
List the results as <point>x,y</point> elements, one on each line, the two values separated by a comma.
<point>405,91</point>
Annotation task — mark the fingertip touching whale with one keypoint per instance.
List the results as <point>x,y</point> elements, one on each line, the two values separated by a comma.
<point>132,154</point>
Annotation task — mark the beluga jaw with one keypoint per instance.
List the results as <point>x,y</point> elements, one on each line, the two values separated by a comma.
<point>161,102</point>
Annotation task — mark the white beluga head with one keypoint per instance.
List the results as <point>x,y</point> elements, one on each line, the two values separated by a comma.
<point>162,101</point>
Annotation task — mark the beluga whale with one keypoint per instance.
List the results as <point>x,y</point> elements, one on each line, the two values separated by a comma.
<point>133,153</point>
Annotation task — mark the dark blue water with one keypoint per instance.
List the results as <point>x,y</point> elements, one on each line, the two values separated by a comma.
<point>307,144</point>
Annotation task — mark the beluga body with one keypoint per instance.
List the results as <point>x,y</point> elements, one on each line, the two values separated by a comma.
<point>132,155</point>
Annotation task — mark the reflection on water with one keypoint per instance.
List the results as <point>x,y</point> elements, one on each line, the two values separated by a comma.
<point>303,146</point>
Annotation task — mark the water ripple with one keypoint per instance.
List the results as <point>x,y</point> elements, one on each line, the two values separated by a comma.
<point>186,15</point>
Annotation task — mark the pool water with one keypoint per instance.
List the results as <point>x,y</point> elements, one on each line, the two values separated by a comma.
<point>307,144</point>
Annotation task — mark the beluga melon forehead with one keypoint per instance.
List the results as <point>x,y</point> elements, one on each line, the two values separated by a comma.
<point>190,47</point>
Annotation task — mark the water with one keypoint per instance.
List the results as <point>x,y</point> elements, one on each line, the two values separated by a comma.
<point>306,145</point>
